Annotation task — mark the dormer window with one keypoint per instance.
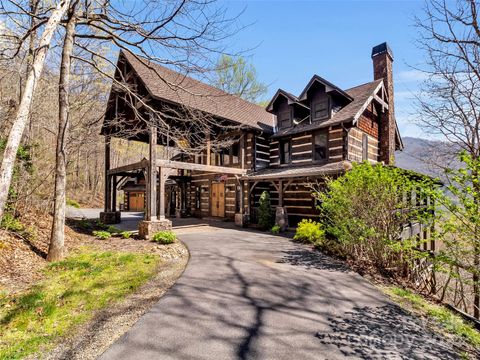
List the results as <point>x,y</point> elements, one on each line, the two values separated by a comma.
<point>321,109</point>
<point>284,119</point>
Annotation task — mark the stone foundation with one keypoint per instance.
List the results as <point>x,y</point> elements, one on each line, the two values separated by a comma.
<point>110,217</point>
<point>241,220</point>
<point>147,228</point>
<point>281,218</point>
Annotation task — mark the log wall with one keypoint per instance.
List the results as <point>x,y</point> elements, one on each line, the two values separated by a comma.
<point>355,146</point>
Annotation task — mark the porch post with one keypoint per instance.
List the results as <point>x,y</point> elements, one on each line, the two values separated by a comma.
<point>162,193</point>
<point>114,193</point>
<point>208,149</point>
<point>280,193</point>
<point>109,215</point>
<point>106,198</point>
<point>242,151</point>
<point>240,219</point>
<point>155,204</point>
<point>241,200</point>
<point>152,176</point>
<point>249,194</point>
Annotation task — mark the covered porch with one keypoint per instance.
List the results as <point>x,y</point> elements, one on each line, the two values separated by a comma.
<point>157,171</point>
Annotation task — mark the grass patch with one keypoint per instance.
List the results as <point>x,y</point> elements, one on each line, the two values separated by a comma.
<point>449,320</point>
<point>72,290</point>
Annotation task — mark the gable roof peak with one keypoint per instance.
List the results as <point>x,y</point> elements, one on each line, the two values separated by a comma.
<point>175,87</point>
<point>329,86</point>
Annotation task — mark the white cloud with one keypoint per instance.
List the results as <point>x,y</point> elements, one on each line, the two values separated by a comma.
<point>407,76</point>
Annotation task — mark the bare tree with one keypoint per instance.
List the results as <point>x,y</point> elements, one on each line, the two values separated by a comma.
<point>449,105</point>
<point>449,100</point>
<point>23,111</point>
<point>57,238</point>
<point>181,35</point>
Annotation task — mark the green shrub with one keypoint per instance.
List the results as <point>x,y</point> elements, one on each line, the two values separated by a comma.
<point>73,203</point>
<point>275,229</point>
<point>85,224</point>
<point>164,237</point>
<point>9,222</point>
<point>309,231</point>
<point>363,213</point>
<point>126,234</point>
<point>113,230</point>
<point>265,216</point>
<point>102,235</point>
<point>100,224</point>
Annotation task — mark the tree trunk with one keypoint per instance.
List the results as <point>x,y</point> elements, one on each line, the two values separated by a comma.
<point>15,136</point>
<point>57,239</point>
<point>31,49</point>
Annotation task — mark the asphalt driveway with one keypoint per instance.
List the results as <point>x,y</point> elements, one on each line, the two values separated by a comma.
<point>249,295</point>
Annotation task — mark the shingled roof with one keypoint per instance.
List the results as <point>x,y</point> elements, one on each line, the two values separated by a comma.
<point>360,95</point>
<point>172,86</point>
<point>300,171</point>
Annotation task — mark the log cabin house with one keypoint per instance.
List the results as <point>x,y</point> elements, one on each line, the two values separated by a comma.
<point>294,141</point>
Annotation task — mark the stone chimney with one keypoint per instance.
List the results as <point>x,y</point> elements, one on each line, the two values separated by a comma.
<point>382,57</point>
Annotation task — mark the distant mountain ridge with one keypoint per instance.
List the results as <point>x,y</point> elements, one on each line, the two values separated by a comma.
<point>428,157</point>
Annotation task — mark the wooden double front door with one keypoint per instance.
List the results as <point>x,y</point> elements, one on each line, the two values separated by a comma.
<point>136,201</point>
<point>218,199</point>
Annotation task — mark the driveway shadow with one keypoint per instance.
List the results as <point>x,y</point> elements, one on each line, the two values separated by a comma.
<point>383,333</point>
<point>311,259</point>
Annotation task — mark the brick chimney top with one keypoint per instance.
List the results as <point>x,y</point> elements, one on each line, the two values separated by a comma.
<point>382,49</point>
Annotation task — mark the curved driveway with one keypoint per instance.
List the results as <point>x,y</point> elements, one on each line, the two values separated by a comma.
<point>249,295</point>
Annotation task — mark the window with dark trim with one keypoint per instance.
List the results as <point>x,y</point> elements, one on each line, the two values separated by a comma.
<point>284,119</point>
<point>235,152</point>
<point>365,147</point>
<point>320,146</point>
<point>285,151</point>
<point>321,109</point>
<point>238,195</point>
<point>198,194</point>
<point>225,157</point>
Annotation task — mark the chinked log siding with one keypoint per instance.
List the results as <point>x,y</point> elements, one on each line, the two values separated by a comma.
<point>249,144</point>
<point>355,146</point>
<point>336,140</point>
<point>261,152</point>
<point>205,196</point>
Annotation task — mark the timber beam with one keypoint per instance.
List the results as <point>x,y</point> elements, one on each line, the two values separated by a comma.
<point>130,167</point>
<point>200,167</point>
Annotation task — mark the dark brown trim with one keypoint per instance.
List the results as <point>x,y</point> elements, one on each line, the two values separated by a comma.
<point>313,146</point>
<point>289,139</point>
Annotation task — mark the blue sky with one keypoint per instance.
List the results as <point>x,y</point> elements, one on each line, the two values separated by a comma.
<point>295,39</point>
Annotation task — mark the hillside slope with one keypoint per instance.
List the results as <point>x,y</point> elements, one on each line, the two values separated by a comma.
<point>428,157</point>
